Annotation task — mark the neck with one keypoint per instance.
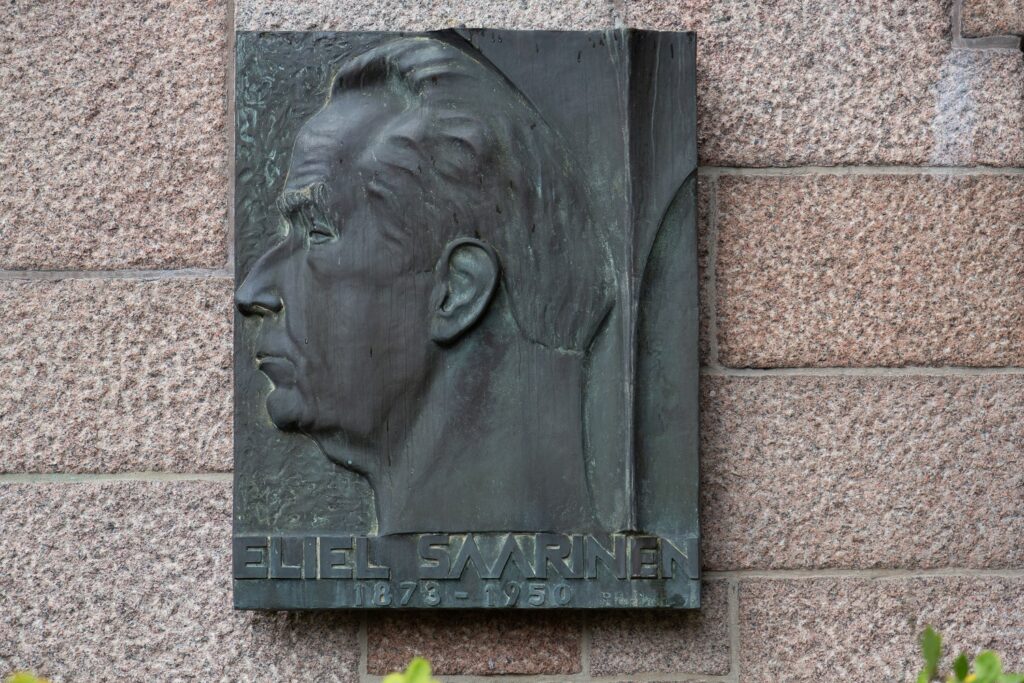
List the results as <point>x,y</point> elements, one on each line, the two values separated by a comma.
<point>496,446</point>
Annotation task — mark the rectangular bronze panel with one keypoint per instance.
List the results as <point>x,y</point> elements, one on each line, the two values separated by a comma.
<point>466,367</point>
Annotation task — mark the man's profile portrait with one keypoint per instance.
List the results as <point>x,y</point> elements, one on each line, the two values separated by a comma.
<point>428,312</point>
<point>466,320</point>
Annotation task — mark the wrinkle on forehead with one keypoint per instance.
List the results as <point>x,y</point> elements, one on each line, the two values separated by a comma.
<point>336,135</point>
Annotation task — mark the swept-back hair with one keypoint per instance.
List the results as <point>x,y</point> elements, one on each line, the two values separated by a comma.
<point>465,143</point>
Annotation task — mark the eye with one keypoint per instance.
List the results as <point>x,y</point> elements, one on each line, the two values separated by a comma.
<point>319,233</point>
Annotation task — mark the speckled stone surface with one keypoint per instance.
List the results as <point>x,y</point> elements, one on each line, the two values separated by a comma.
<point>476,643</point>
<point>418,15</point>
<point>979,104</point>
<point>637,642</point>
<point>853,629</point>
<point>869,270</point>
<point>992,17</point>
<point>112,143</point>
<point>131,581</point>
<point>704,193</point>
<point>862,472</point>
<point>107,375</point>
<point>844,82</point>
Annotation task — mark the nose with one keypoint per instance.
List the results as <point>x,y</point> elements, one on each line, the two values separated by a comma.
<point>257,294</point>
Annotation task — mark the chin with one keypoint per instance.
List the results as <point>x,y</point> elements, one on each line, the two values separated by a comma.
<point>349,458</point>
<point>287,410</point>
<point>345,448</point>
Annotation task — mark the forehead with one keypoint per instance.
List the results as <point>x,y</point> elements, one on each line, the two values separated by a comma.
<point>336,135</point>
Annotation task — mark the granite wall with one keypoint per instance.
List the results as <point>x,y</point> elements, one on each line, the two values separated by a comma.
<point>862,197</point>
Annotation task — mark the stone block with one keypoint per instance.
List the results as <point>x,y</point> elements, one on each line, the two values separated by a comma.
<point>848,82</point>
<point>869,270</point>
<point>992,17</point>
<point>661,642</point>
<point>476,643</point>
<point>705,190</point>
<point>859,629</point>
<point>862,472</point>
<point>979,109</point>
<point>110,375</point>
<point>112,140</point>
<point>132,581</point>
<point>420,15</point>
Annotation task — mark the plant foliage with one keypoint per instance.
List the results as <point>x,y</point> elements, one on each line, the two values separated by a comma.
<point>986,666</point>
<point>418,671</point>
<point>24,677</point>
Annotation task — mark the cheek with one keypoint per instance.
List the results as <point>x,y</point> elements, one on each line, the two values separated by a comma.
<point>363,327</point>
<point>400,318</point>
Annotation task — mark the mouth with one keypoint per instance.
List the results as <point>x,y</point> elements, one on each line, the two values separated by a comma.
<point>279,369</point>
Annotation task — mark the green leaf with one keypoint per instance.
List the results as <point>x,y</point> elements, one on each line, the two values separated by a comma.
<point>987,667</point>
<point>931,650</point>
<point>923,677</point>
<point>24,677</point>
<point>961,667</point>
<point>418,671</point>
<point>1011,678</point>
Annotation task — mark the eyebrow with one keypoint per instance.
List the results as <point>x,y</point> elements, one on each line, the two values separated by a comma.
<point>291,200</point>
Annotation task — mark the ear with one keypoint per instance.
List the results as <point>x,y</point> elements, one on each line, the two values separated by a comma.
<point>467,277</point>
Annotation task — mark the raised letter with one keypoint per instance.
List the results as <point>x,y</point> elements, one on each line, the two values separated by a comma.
<point>468,552</point>
<point>280,546</point>
<point>616,561</point>
<point>334,557</point>
<point>671,557</point>
<point>309,557</point>
<point>433,548</point>
<point>365,570</point>
<point>577,559</point>
<point>250,557</point>
<point>511,550</point>
<point>643,557</point>
<point>554,548</point>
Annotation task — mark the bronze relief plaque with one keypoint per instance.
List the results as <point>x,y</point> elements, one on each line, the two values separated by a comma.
<point>466,368</point>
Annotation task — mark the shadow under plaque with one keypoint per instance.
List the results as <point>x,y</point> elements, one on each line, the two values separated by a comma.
<point>466,369</point>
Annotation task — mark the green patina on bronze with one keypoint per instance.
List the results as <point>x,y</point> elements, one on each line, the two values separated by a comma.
<point>466,367</point>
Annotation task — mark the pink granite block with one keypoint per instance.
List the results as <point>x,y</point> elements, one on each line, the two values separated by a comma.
<point>476,643</point>
<point>705,190</point>
<point>685,642</point>
<point>131,581</point>
<point>419,15</point>
<point>859,629</point>
<point>108,375</point>
<point>792,83</point>
<point>112,142</point>
<point>979,109</point>
<point>992,17</point>
<point>869,270</point>
<point>862,472</point>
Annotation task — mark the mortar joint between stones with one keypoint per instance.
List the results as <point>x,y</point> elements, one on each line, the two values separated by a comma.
<point>995,42</point>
